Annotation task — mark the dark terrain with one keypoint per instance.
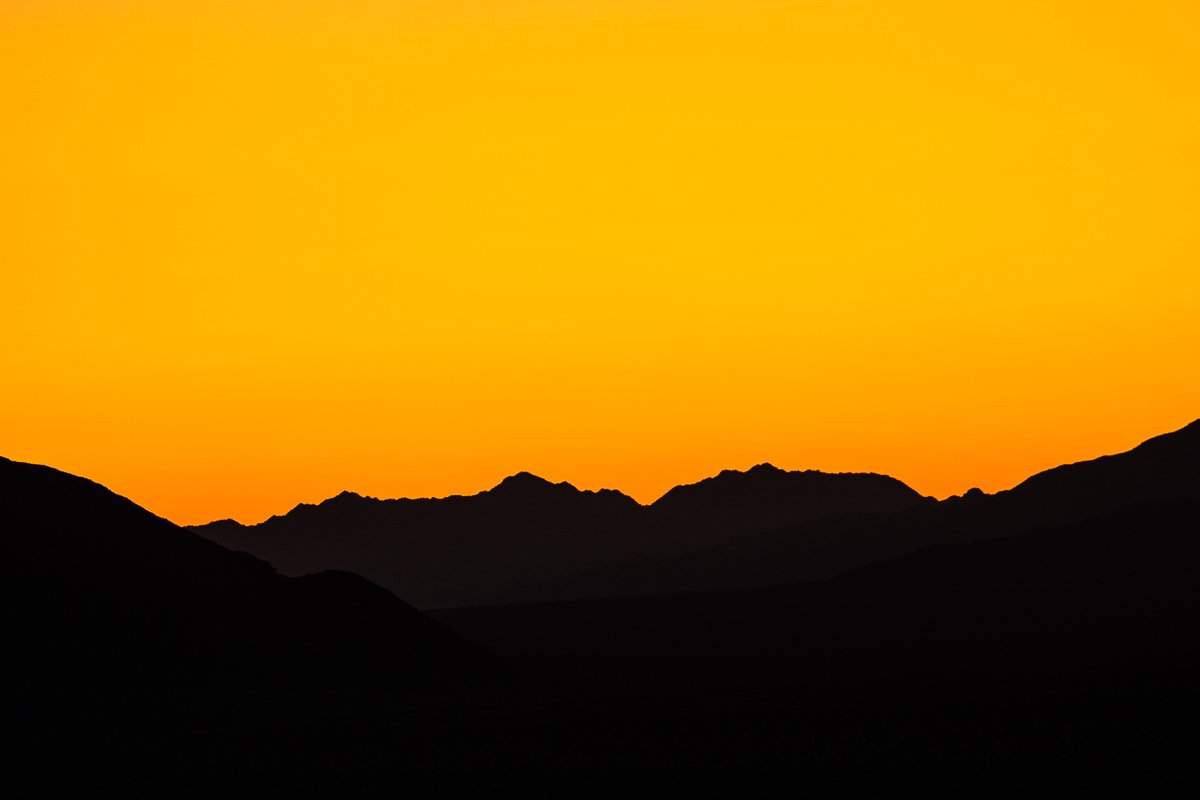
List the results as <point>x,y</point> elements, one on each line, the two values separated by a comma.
<point>114,617</point>
<point>528,540</point>
<point>506,543</point>
<point>1038,640</point>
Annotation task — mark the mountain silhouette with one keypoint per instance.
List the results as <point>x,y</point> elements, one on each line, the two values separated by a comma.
<point>113,613</point>
<point>735,504</point>
<point>1163,469</point>
<point>1039,637</point>
<point>530,540</point>
<point>487,547</point>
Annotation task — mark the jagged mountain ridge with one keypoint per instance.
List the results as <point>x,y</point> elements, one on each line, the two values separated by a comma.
<point>528,539</point>
<point>466,550</point>
<point>1164,469</point>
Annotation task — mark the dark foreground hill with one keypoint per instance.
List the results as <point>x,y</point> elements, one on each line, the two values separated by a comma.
<point>1061,659</point>
<point>490,547</point>
<point>1108,602</point>
<point>115,617</point>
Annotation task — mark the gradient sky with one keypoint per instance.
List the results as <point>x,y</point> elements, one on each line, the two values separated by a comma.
<point>253,253</point>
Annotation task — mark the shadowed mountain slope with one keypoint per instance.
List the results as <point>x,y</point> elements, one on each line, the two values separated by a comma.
<point>475,550</point>
<point>111,610</point>
<point>1106,603</point>
<point>1165,467</point>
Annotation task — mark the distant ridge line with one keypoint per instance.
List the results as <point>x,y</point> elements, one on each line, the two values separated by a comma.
<point>527,538</point>
<point>526,478</point>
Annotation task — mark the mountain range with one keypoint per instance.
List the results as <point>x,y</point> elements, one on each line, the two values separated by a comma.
<point>757,633</point>
<point>530,540</point>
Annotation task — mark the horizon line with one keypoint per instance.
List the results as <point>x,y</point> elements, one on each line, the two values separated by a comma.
<point>522,472</point>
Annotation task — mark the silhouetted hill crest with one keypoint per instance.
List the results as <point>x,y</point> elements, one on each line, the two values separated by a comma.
<point>972,495</point>
<point>767,484</point>
<point>523,489</point>
<point>761,470</point>
<point>1163,467</point>
<point>120,608</point>
<point>526,486</point>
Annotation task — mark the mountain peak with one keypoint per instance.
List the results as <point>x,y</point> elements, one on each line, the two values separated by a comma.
<point>763,470</point>
<point>342,499</point>
<point>525,482</point>
<point>766,491</point>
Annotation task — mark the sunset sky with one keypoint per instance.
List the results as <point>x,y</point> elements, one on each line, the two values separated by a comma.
<point>255,252</point>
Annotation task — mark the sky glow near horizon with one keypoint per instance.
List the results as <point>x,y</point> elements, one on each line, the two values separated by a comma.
<point>255,253</point>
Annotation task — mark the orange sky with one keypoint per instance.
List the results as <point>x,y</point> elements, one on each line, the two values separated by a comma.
<point>257,252</point>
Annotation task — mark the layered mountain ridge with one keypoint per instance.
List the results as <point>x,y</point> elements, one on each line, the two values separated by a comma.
<point>482,548</point>
<point>528,539</point>
<point>787,624</point>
